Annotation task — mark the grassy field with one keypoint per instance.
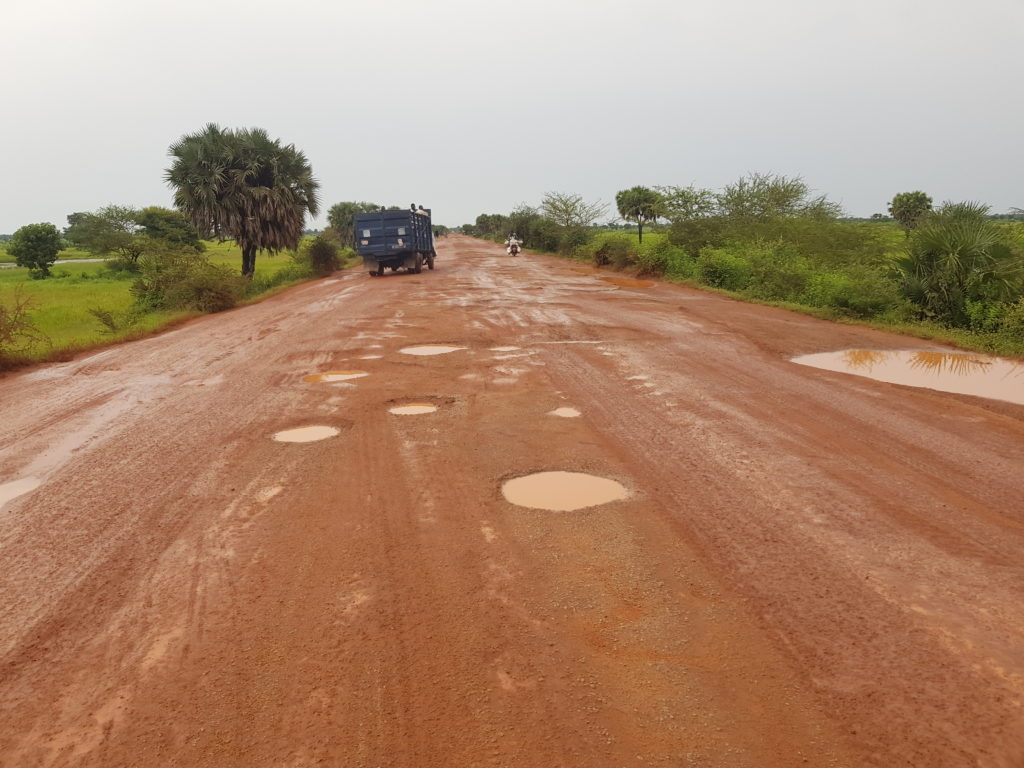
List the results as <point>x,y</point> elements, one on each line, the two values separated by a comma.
<point>61,303</point>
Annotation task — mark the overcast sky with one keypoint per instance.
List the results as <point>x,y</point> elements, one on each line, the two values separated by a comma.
<point>473,106</point>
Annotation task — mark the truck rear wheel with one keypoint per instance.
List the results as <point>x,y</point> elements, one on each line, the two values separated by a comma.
<point>430,260</point>
<point>419,263</point>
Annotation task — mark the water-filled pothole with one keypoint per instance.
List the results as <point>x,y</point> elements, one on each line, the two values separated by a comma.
<point>960,372</point>
<point>430,349</point>
<point>412,409</point>
<point>334,376</point>
<point>16,488</point>
<point>565,413</point>
<point>562,491</point>
<point>628,282</point>
<point>306,434</point>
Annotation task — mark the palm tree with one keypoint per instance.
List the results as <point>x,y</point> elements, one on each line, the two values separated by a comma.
<point>243,185</point>
<point>639,204</point>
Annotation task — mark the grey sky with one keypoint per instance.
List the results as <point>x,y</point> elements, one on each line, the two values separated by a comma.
<point>472,106</point>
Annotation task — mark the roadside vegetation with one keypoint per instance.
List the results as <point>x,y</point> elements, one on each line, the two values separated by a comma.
<point>161,266</point>
<point>953,272</point>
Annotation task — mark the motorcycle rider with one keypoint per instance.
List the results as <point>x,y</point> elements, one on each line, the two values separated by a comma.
<point>512,244</point>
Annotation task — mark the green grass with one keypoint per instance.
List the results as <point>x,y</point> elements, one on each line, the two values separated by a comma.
<point>61,303</point>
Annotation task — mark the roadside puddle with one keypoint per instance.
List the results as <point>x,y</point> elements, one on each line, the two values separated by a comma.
<point>412,409</point>
<point>430,349</point>
<point>505,349</point>
<point>565,413</point>
<point>963,373</point>
<point>562,491</point>
<point>628,282</point>
<point>306,434</point>
<point>15,488</point>
<point>328,376</point>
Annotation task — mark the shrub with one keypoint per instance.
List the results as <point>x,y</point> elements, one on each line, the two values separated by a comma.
<point>778,273</point>
<point>572,240</point>
<point>36,246</point>
<point>323,256</point>
<point>186,280</point>
<point>693,235</point>
<point>722,269</point>
<point>17,332</point>
<point>653,255</point>
<point>611,248</point>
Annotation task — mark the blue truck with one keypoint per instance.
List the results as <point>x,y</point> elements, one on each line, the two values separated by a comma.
<point>395,239</point>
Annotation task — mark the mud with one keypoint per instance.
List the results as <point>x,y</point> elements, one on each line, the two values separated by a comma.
<point>430,349</point>
<point>331,376</point>
<point>565,413</point>
<point>15,488</point>
<point>812,569</point>
<point>413,409</point>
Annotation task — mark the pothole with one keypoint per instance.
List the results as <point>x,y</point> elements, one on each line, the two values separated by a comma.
<point>565,413</point>
<point>628,282</point>
<point>306,434</point>
<point>562,491</point>
<point>15,488</point>
<point>412,409</point>
<point>430,349</point>
<point>958,372</point>
<point>327,376</point>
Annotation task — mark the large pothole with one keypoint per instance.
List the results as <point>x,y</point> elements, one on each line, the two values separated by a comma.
<point>562,491</point>
<point>959,372</point>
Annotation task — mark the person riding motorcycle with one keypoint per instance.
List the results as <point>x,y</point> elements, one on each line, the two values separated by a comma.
<point>512,244</point>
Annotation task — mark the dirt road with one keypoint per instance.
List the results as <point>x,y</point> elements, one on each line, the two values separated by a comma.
<point>811,569</point>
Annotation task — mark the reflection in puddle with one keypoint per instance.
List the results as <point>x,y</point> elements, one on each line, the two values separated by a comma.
<point>960,372</point>
<point>306,434</point>
<point>565,413</point>
<point>412,409</point>
<point>16,488</point>
<point>628,282</point>
<point>430,349</point>
<point>562,491</point>
<point>334,376</point>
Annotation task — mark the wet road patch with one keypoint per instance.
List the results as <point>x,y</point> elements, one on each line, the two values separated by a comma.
<point>329,376</point>
<point>562,491</point>
<point>565,413</point>
<point>15,488</point>
<point>430,349</point>
<point>412,409</point>
<point>628,282</point>
<point>306,434</point>
<point>962,373</point>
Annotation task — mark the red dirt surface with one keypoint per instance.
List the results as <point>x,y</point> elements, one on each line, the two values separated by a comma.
<point>812,568</point>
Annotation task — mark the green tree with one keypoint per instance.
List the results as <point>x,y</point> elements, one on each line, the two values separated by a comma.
<point>242,184</point>
<point>769,196</point>
<point>687,203</point>
<point>341,215</point>
<point>908,208</point>
<point>36,246</point>
<point>639,204</point>
<point>571,211</point>
<point>158,223</point>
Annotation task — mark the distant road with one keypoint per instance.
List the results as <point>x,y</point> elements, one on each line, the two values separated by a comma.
<point>810,568</point>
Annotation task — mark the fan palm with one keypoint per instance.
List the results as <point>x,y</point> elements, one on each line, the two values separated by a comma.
<point>241,184</point>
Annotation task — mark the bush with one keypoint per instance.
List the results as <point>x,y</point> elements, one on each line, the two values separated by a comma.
<point>722,269</point>
<point>653,255</point>
<point>322,255</point>
<point>572,240</point>
<point>693,235</point>
<point>36,246</point>
<point>611,248</point>
<point>17,332</point>
<point>778,273</point>
<point>186,280</point>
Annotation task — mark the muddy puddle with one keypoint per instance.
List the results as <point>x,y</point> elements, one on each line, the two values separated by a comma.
<point>15,488</point>
<point>565,413</point>
<point>412,409</point>
<point>328,376</point>
<point>562,491</point>
<point>306,434</point>
<point>960,372</point>
<point>628,282</point>
<point>430,349</point>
